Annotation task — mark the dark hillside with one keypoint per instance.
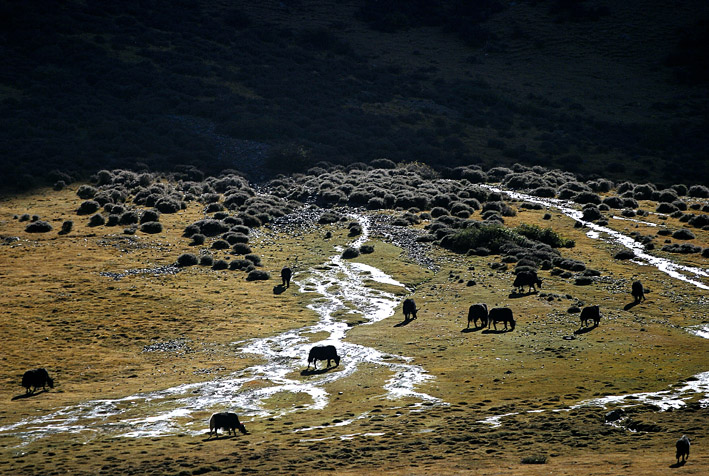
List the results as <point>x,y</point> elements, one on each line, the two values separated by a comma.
<point>596,88</point>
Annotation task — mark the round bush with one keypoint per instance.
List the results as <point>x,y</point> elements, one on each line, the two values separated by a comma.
<point>128,218</point>
<point>151,227</point>
<point>666,208</point>
<point>241,249</point>
<point>591,214</point>
<point>198,239</point>
<point>683,234</point>
<point>38,226</point>
<point>258,275</point>
<point>254,258</point>
<point>367,249</point>
<point>206,260</point>
<point>220,264</point>
<point>149,215</point>
<point>97,220</point>
<point>66,227</point>
<point>698,191</point>
<point>86,192</point>
<point>624,254</point>
<point>220,245</point>
<point>88,207</point>
<point>350,253</point>
<point>187,259</point>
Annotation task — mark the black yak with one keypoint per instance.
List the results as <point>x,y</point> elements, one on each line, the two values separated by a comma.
<point>37,378</point>
<point>683,448</point>
<point>409,309</point>
<point>638,291</point>
<point>527,278</point>
<point>590,313</point>
<point>475,312</point>
<point>227,420</point>
<point>286,274</point>
<point>501,314</point>
<point>323,352</point>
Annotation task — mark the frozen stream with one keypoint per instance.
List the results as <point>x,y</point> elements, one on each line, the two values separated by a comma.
<point>689,274</point>
<point>676,396</point>
<point>342,286</point>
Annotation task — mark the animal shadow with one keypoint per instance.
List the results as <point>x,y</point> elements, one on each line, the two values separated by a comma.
<point>678,465</point>
<point>403,323</point>
<point>517,295</point>
<point>279,289</point>
<point>307,372</point>
<point>630,305</point>
<point>472,329</point>
<point>495,331</point>
<point>27,395</point>
<point>584,330</point>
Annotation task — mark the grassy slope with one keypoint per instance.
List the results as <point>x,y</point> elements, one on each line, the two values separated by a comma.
<point>90,331</point>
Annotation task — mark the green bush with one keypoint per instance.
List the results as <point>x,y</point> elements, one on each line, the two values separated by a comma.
<point>544,235</point>
<point>490,236</point>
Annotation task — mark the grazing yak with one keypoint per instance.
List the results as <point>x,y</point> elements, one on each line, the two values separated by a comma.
<point>638,291</point>
<point>682,448</point>
<point>409,309</point>
<point>37,378</point>
<point>590,313</point>
<point>286,274</point>
<point>527,278</point>
<point>226,420</point>
<point>323,352</point>
<point>475,312</point>
<point>500,314</point>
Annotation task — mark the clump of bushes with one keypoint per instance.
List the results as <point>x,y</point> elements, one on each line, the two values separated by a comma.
<point>241,265</point>
<point>545,235</point>
<point>38,226</point>
<point>684,248</point>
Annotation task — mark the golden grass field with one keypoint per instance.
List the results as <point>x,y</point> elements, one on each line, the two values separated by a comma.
<point>89,331</point>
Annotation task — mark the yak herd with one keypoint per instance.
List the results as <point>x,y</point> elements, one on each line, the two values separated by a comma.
<point>229,421</point>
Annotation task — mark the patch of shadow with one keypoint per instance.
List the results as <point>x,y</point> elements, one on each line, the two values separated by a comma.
<point>403,323</point>
<point>279,289</point>
<point>307,372</point>
<point>27,395</point>
<point>584,330</point>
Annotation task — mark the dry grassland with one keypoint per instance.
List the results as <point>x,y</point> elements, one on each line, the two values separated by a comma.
<point>57,311</point>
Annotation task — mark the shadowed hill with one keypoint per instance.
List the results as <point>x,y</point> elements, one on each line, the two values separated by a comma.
<point>594,88</point>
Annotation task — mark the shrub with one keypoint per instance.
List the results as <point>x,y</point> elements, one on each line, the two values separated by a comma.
<point>544,235</point>
<point>699,221</point>
<point>240,249</point>
<point>168,205</point>
<point>38,226</point>
<point>587,197</point>
<point>211,227</point>
<point>254,258</point>
<point>220,245</point>
<point>220,264</point>
<point>86,192</point>
<point>613,202</point>
<point>97,220</point>
<point>624,254</point>
<point>187,259</point>
<point>666,208</point>
<point>241,265</point>
<point>149,215</point>
<point>328,218</point>
<point>350,253</point>
<point>206,260</point>
<point>128,218</point>
<point>66,227</point>
<point>684,248</point>
<point>591,213</point>
<point>88,207</point>
<point>366,249</point>
<point>355,229</point>
<point>151,227</point>
<point>683,234</point>
<point>536,459</point>
<point>258,275</point>
<point>198,239</point>
<point>698,191</point>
